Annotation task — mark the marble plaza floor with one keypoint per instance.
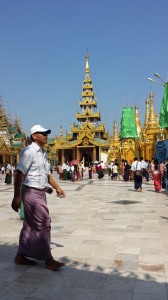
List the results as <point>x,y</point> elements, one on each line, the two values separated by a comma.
<point>113,240</point>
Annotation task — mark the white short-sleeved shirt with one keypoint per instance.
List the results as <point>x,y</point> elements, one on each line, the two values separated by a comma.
<point>144,164</point>
<point>136,165</point>
<point>34,165</point>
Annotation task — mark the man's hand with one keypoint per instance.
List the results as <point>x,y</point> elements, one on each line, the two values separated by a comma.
<point>60,193</point>
<point>16,203</point>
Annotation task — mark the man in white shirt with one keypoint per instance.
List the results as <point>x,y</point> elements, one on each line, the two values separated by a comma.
<point>103,168</point>
<point>136,167</point>
<point>32,177</point>
<point>83,168</point>
<point>144,169</point>
<point>64,169</point>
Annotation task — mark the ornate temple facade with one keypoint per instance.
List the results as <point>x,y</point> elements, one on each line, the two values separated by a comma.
<point>12,138</point>
<point>88,139</point>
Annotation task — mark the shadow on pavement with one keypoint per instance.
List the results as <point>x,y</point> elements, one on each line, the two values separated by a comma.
<point>79,280</point>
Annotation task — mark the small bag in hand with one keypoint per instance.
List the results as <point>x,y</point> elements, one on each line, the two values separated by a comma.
<point>138,172</point>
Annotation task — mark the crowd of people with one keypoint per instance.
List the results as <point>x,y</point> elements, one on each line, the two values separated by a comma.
<point>140,169</point>
<point>137,171</point>
<point>74,171</point>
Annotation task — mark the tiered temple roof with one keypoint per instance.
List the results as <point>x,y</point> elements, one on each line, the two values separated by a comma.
<point>88,126</point>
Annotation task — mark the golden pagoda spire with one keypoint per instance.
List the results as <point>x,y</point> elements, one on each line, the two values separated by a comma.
<point>147,113</point>
<point>87,66</point>
<point>88,104</point>
<point>152,116</point>
<point>137,120</point>
<point>115,133</point>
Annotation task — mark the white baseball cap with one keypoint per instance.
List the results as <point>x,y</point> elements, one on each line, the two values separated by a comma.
<point>39,128</point>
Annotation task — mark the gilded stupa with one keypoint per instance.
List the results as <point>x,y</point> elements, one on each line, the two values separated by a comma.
<point>151,129</point>
<point>113,152</point>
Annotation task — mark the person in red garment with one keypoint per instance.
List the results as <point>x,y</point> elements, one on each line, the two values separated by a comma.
<point>157,176</point>
<point>31,184</point>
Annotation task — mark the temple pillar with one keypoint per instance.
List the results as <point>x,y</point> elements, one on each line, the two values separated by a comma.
<point>74,156</point>
<point>142,150</point>
<point>77,154</point>
<point>56,156</point>
<point>99,153</point>
<point>94,154</point>
<point>63,156</point>
<point>148,152</point>
<point>3,159</point>
<point>17,158</point>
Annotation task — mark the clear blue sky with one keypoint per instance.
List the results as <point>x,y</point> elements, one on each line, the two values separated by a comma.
<point>43,44</point>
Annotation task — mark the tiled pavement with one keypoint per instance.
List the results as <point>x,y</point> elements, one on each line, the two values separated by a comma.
<point>113,240</point>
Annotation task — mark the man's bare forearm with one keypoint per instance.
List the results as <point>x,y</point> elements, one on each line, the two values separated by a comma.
<point>55,185</point>
<point>18,183</point>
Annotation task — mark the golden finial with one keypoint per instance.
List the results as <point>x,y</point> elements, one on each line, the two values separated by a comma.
<point>136,111</point>
<point>87,66</point>
<point>115,133</point>
<point>146,113</point>
<point>152,116</point>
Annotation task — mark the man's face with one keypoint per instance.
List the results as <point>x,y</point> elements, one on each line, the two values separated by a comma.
<point>40,138</point>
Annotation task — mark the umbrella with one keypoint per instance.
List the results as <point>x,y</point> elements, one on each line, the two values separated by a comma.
<point>74,162</point>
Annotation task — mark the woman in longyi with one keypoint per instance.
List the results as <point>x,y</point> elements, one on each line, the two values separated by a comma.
<point>157,177</point>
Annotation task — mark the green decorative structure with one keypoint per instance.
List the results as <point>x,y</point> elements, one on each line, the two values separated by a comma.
<point>163,122</point>
<point>128,125</point>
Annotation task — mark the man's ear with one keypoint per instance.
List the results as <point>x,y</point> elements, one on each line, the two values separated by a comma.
<point>34,136</point>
